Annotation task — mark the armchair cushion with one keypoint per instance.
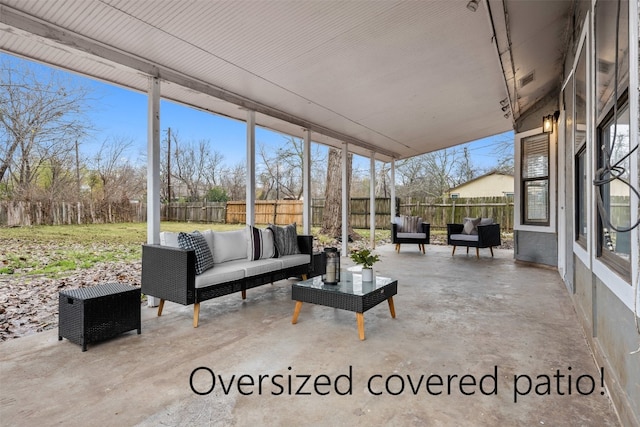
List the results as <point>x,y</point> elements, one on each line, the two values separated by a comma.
<point>410,224</point>
<point>411,235</point>
<point>464,237</point>
<point>469,226</point>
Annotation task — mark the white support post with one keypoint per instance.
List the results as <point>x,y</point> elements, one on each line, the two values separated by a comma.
<point>153,168</point>
<point>251,168</point>
<point>372,201</point>
<point>306,184</point>
<point>393,190</point>
<point>345,201</point>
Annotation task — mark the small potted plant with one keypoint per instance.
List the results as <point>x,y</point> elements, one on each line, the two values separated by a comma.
<point>366,259</point>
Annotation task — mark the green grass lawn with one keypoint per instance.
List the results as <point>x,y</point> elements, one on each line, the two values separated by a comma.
<point>54,250</point>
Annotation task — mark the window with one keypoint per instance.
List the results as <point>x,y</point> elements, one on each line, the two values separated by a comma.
<point>606,56</point>
<point>535,180</point>
<point>581,197</point>
<point>614,203</point>
<point>579,143</point>
<point>613,194</point>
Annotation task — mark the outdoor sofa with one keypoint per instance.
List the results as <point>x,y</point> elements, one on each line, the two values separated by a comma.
<point>474,232</point>
<point>189,268</point>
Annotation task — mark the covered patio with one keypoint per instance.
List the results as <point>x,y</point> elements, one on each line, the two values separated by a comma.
<point>388,81</point>
<point>455,316</point>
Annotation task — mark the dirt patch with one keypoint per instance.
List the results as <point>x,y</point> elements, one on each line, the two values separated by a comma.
<point>29,304</point>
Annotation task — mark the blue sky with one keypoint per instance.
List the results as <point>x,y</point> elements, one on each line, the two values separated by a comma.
<point>122,113</point>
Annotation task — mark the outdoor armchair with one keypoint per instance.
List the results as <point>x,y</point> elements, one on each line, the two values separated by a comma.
<point>410,229</point>
<point>475,232</point>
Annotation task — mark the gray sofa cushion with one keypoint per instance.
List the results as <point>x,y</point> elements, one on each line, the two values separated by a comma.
<point>294,260</point>
<point>261,266</point>
<point>229,245</point>
<point>222,273</point>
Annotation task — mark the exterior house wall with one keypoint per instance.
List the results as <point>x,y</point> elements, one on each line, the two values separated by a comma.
<point>611,332</point>
<point>492,185</point>
<point>606,304</point>
<point>539,248</point>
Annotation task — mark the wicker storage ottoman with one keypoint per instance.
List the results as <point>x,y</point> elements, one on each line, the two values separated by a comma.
<point>94,314</point>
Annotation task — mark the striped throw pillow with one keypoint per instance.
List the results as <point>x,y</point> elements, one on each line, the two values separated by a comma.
<point>410,224</point>
<point>261,243</point>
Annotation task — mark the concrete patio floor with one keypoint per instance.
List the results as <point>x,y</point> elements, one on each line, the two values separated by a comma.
<point>507,326</point>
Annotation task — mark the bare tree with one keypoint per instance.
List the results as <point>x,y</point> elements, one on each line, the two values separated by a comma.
<point>113,177</point>
<point>383,181</point>
<point>234,181</point>
<point>428,175</point>
<point>466,170</point>
<point>191,159</point>
<point>503,150</point>
<point>214,167</point>
<point>281,175</point>
<point>41,117</point>
<point>332,212</point>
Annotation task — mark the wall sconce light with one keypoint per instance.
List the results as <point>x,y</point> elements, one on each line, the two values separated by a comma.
<point>547,123</point>
<point>472,5</point>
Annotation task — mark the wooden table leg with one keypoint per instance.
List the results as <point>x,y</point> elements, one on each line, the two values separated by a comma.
<point>160,307</point>
<point>296,312</point>
<point>196,314</point>
<point>392,309</point>
<point>360,321</point>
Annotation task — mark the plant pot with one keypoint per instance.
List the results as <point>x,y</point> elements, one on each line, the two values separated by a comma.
<point>367,274</point>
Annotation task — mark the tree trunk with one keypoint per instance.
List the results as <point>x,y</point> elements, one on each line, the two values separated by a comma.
<point>332,212</point>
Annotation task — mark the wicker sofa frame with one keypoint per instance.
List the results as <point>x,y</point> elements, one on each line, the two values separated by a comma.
<point>168,273</point>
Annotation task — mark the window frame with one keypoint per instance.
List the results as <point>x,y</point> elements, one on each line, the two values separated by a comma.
<point>618,264</point>
<point>550,227</point>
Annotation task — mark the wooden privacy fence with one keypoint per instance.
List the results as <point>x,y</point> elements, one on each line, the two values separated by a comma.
<point>15,214</point>
<point>207,212</point>
<point>440,213</point>
<point>279,212</point>
<point>437,212</point>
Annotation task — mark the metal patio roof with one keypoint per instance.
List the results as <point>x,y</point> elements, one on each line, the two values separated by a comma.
<point>399,78</point>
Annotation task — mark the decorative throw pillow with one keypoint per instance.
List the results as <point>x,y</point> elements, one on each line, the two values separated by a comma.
<point>229,245</point>
<point>286,239</point>
<point>469,226</point>
<point>410,224</point>
<point>261,243</point>
<point>197,242</point>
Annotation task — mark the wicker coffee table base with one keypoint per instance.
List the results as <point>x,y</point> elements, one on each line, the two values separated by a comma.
<point>345,301</point>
